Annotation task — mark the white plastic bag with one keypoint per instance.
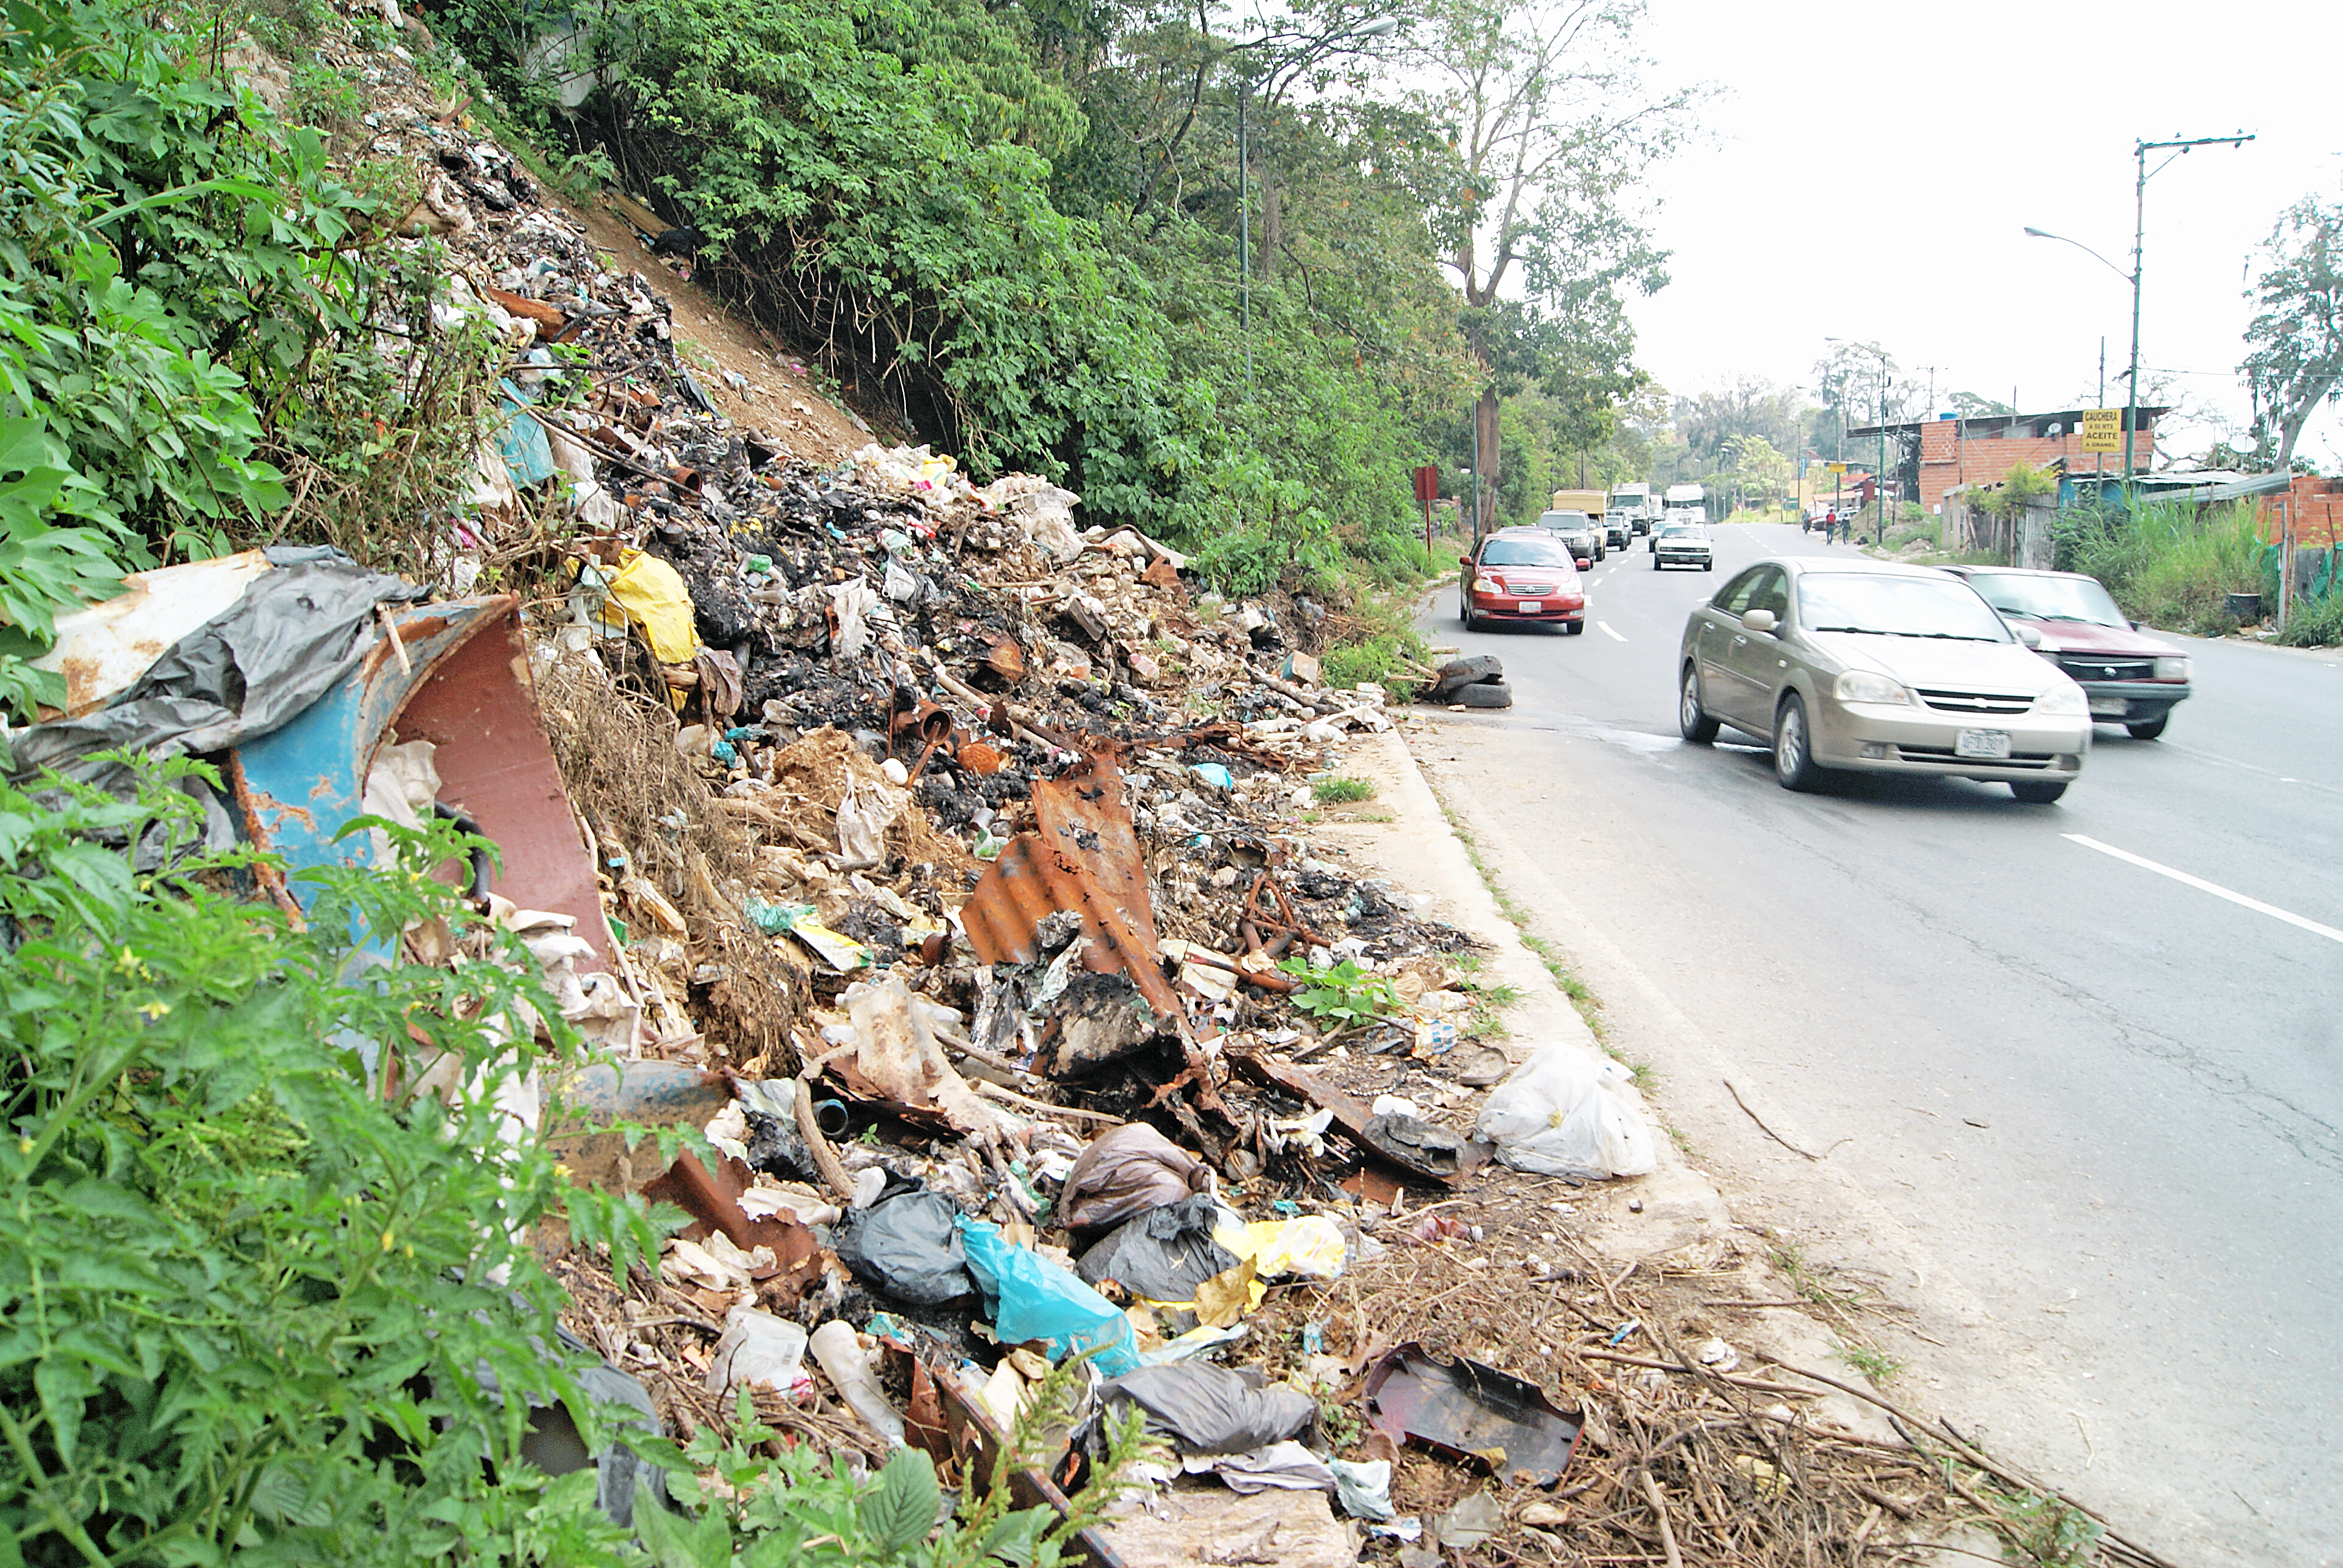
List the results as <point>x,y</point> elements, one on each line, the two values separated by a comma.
<point>1563,1113</point>
<point>864,812</point>
<point>759,1348</point>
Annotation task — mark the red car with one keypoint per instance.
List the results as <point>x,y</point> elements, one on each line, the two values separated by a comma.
<point>1524,575</point>
<point>2132,677</point>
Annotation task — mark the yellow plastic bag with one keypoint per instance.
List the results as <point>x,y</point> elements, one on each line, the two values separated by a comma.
<point>652,594</point>
<point>1309,1248</point>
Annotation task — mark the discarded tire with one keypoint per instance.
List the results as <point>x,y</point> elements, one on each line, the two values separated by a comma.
<point>1478,667</point>
<point>1484,694</point>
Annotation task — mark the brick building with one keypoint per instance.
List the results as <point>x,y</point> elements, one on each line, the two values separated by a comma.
<point>2314,505</point>
<point>1941,453</point>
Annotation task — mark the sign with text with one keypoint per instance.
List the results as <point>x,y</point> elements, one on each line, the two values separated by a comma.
<point>1837,467</point>
<point>1427,483</point>
<point>2102,430</point>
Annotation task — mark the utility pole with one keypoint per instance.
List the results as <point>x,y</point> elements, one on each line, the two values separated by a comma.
<point>2138,246</point>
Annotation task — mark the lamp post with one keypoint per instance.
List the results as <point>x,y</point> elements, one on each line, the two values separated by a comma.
<point>1879,478</point>
<point>2138,243</point>
<point>1310,49</point>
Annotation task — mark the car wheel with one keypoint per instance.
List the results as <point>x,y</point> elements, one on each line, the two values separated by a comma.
<point>1691,717</point>
<point>2150,728</point>
<point>1708,566</point>
<point>2036,792</point>
<point>1485,694</point>
<point>1574,626</point>
<point>1464,612</point>
<point>1794,749</point>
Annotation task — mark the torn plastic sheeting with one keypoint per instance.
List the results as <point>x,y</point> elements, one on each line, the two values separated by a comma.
<point>103,647</point>
<point>1085,858</point>
<point>1163,1256</point>
<point>1279,1467</point>
<point>1126,1172</point>
<point>521,441</point>
<point>1469,1411</point>
<point>289,638</point>
<point>1208,1408</point>
<point>907,1245</point>
<point>653,596</point>
<point>1031,1299</point>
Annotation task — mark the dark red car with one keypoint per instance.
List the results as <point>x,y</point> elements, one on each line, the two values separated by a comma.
<point>1525,575</point>
<point>2132,677</point>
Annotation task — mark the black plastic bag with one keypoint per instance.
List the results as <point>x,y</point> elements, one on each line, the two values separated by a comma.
<point>1163,1254</point>
<point>906,1246</point>
<point>1208,1408</point>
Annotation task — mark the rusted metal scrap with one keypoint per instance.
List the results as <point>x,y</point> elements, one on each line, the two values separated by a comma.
<point>1083,858</point>
<point>1468,1410</point>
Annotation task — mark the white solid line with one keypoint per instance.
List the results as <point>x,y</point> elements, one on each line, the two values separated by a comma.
<point>2202,885</point>
<point>1608,632</point>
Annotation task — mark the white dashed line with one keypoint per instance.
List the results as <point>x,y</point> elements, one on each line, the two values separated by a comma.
<point>2202,885</point>
<point>1608,632</point>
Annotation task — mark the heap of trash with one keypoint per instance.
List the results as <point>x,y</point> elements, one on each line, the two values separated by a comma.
<point>941,862</point>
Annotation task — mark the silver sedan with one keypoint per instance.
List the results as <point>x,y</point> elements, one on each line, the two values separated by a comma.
<point>1881,668</point>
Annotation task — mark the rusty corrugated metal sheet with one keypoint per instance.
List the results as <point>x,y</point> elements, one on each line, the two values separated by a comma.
<point>1084,858</point>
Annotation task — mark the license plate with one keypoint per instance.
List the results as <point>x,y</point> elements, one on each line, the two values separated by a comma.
<point>1981,743</point>
<point>2107,706</point>
<point>1530,606</point>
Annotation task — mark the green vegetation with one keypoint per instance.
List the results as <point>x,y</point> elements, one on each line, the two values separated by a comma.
<point>1337,791</point>
<point>1344,995</point>
<point>2170,565</point>
<point>2316,623</point>
<point>2044,1532</point>
<point>254,1303</point>
<point>1874,1363</point>
<point>191,297</point>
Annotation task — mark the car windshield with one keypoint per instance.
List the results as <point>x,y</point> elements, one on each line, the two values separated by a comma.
<point>1682,531</point>
<point>2048,599</point>
<point>1567,522</point>
<point>1897,606</point>
<point>1522,553</point>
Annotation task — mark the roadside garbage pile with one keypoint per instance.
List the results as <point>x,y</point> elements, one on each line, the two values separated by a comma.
<point>939,864</point>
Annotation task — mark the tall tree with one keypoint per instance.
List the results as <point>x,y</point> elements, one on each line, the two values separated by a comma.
<point>1551,125</point>
<point>2296,362</point>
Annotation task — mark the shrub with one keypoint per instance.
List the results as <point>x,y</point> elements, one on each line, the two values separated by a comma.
<point>2170,564</point>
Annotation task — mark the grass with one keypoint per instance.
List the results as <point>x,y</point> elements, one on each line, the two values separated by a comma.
<point>2170,565</point>
<point>1873,1363</point>
<point>2316,623</point>
<point>1337,790</point>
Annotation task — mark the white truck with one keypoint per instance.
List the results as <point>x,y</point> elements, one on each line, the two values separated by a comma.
<point>1685,504</point>
<point>1635,502</point>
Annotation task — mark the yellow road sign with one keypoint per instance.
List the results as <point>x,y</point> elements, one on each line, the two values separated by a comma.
<point>2102,430</point>
<point>1836,467</point>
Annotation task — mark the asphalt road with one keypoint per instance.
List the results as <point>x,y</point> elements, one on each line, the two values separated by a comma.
<point>2080,1120</point>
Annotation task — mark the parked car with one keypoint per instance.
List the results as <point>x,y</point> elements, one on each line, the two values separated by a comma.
<point>1522,575</point>
<point>1577,530</point>
<point>1883,668</point>
<point>1617,530</point>
<point>2132,677</point>
<point>1682,545</point>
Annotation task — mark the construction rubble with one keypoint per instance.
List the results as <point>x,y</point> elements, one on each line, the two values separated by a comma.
<point>942,862</point>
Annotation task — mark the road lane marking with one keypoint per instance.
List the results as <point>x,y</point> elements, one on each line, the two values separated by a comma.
<point>2202,885</point>
<point>1608,632</point>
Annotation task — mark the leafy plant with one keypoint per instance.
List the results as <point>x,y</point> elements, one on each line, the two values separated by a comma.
<point>2047,1531</point>
<point>1337,790</point>
<point>256,1298</point>
<point>1342,995</point>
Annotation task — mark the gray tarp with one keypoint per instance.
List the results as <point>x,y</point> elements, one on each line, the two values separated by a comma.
<point>290,638</point>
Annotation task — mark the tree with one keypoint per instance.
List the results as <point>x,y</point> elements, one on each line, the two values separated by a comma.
<point>1550,126</point>
<point>1764,473</point>
<point>2296,362</point>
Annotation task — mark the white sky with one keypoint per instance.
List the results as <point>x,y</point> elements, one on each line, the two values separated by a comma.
<point>1871,169</point>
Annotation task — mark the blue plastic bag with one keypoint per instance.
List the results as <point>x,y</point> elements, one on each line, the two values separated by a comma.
<point>1032,1299</point>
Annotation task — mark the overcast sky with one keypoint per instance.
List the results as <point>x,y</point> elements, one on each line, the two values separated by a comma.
<point>1871,170</point>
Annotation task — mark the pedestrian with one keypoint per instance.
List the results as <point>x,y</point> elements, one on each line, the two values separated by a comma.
<point>1830,523</point>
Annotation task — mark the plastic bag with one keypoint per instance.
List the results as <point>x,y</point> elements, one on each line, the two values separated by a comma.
<point>1208,1408</point>
<point>1128,1172</point>
<point>652,594</point>
<point>1563,1113</point>
<point>1032,1299</point>
<point>864,813</point>
<point>851,603</point>
<point>1311,1247</point>
<point>907,1245</point>
<point>759,1347</point>
<point>1163,1255</point>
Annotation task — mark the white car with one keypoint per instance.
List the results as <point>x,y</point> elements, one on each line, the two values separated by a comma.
<point>1682,545</point>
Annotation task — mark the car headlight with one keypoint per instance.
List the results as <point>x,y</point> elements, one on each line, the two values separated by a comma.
<point>1487,584</point>
<point>1862,685</point>
<point>2062,700</point>
<point>2171,670</point>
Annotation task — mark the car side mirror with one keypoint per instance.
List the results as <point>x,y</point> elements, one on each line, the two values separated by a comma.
<point>1760,620</point>
<point>2029,636</point>
<point>1464,562</point>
